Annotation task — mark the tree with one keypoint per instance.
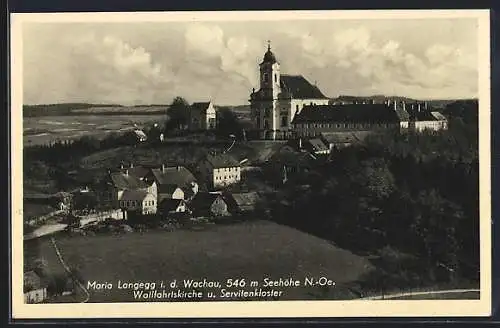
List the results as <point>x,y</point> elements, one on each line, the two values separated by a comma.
<point>228,123</point>
<point>177,114</point>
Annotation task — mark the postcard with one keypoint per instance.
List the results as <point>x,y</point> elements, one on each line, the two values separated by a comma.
<point>251,164</point>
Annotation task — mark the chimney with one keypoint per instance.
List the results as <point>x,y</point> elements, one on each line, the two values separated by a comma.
<point>163,168</point>
<point>388,102</point>
<point>121,166</point>
<point>404,105</point>
<point>131,165</point>
<point>395,105</point>
<point>418,107</point>
<point>178,168</point>
<point>126,172</point>
<point>426,105</point>
<point>300,143</point>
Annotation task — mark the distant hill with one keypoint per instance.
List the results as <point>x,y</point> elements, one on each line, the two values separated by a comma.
<point>436,103</point>
<point>90,109</point>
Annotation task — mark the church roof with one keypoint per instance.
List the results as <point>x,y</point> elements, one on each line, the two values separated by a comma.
<point>355,113</point>
<point>299,88</point>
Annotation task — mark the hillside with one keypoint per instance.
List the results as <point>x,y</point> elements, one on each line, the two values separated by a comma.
<point>90,109</point>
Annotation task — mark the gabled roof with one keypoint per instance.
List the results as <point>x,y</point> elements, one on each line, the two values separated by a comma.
<point>356,113</point>
<point>169,204</point>
<point>140,134</point>
<point>32,281</point>
<point>200,106</point>
<point>137,195</point>
<point>137,171</point>
<point>318,144</point>
<point>403,115</point>
<point>298,87</point>
<point>287,156</point>
<point>126,182</point>
<point>203,201</point>
<point>168,188</point>
<point>345,137</point>
<point>438,116</point>
<point>176,175</point>
<point>222,161</point>
<point>424,115</point>
<point>243,200</point>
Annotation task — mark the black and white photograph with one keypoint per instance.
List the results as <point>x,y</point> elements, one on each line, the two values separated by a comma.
<point>238,161</point>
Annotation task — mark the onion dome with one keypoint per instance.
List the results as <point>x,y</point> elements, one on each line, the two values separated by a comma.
<point>269,56</point>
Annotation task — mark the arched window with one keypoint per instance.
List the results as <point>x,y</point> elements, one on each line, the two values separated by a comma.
<point>265,77</point>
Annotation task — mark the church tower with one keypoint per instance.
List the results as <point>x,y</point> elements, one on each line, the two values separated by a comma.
<point>264,102</point>
<point>270,75</point>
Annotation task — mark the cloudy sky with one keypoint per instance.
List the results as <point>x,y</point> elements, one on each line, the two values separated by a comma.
<point>146,63</point>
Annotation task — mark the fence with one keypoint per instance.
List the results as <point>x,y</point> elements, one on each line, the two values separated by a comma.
<point>99,216</point>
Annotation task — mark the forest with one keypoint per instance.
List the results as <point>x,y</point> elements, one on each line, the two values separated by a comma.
<point>416,195</point>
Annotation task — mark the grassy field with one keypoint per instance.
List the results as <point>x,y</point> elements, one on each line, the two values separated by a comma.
<point>42,130</point>
<point>441,296</point>
<point>250,250</point>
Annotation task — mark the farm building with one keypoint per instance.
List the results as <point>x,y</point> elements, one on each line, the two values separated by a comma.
<point>175,182</point>
<point>117,183</point>
<point>344,139</point>
<point>220,170</point>
<point>316,146</point>
<point>34,288</point>
<point>140,201</point>
<point>209,204</point>
<point>241,203</point>
<point>169,206</point>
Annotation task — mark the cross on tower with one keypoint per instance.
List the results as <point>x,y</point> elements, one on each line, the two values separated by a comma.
<point>269,45</point>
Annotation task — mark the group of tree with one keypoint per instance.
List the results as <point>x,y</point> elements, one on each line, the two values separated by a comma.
<point>417,193</point>
<point>178,119</point>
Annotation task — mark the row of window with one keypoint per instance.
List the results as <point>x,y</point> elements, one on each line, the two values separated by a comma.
<point>226,177</point>
<point>228,169</point>
<point>129,203</point>
<point>340,125</point>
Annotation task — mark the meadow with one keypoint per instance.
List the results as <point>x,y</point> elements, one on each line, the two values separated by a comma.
<point>249,250</point>
<point>43,130</point>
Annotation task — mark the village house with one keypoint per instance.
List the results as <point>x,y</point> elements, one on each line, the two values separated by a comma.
<point>124,190</point>
<point>288,162</point>
<point>34,288</point>
<point>316,146</point>
<point>209,204</point>
<point>170,206</point>
<point>220,170</point>
<point>338,140</point>
<point>243,203</point>
<point>280,98</point>
<point>175,182</point>
<point>140,201</point>
<point>202,116</point>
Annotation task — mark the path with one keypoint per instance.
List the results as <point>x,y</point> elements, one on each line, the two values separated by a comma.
<point>68,270</point>
<point>398,295</point>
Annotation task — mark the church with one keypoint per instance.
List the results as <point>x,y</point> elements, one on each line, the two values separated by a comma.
<point>280,98</point>
<point>289,107</point>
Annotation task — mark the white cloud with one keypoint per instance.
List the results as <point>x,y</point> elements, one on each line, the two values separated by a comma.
<point>152,63</point>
